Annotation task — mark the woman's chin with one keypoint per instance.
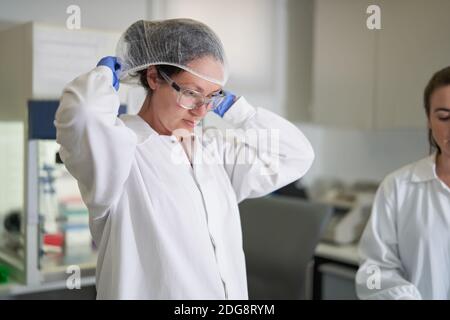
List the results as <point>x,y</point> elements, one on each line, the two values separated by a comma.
<point>183,130</point>
<point>188,124</point>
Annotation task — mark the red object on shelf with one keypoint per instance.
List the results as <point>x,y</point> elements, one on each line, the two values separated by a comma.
<point>54,239</point>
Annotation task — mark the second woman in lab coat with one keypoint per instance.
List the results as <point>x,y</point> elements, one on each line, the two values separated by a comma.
<point>405,248</point>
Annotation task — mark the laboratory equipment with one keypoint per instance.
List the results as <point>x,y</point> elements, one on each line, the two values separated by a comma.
<point>43,221</point>
<point>352,209</point>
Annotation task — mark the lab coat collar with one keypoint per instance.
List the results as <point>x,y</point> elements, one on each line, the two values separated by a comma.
<point>425,169</point>
<point>142,129</point>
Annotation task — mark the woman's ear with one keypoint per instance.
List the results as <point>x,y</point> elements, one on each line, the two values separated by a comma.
<point>152,77</point>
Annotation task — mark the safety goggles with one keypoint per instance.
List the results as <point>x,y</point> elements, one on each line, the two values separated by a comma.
<point>191,99</point>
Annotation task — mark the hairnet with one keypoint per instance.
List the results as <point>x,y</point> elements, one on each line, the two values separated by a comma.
<point>173,42</point>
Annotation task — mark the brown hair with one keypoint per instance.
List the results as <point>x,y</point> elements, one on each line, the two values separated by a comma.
<point>167,69</point>
<point>438,80</point>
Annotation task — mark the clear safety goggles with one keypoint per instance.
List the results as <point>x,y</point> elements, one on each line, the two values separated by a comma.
<point>191,99</point>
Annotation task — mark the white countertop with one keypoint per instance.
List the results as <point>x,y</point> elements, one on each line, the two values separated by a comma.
<point>339,253</point>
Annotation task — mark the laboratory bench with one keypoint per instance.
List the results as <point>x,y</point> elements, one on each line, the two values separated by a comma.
<point>50,290</point>
<point>333,274</point>
<point>53,283</point>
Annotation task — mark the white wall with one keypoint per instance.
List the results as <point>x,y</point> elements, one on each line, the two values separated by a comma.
<point>112,15</point>
<point>354,155</point>
<point>299,59</point>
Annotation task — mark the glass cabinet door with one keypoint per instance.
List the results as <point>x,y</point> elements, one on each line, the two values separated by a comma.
<point>64,236</point>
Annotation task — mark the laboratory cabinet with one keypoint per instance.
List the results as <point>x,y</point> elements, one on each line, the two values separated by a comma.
<point>374,79</point>
<point>44,230</point>
<point>44,224</point>
<point>334,271</point>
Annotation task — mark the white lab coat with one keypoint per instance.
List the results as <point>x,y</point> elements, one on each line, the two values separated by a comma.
<point>407,239</point>
<point>166,229</point>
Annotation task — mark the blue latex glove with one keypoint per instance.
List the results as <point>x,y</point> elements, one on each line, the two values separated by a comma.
<point>226,104</point>
<point>114,65</point>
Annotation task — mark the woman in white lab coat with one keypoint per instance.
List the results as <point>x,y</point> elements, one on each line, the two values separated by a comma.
<point>405,248</point>
<point>162,197</point>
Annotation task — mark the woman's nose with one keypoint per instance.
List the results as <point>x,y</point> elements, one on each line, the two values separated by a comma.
<point>200,111</point>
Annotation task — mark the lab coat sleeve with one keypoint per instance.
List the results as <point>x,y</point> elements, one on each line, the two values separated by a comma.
<point>381,274</point>
<point>95,146</point>
<point>266,152</point>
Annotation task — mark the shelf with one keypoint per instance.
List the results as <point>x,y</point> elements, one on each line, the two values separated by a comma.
<point>11,259</point>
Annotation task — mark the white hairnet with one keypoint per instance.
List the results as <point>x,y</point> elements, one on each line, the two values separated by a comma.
<point>173,42</point>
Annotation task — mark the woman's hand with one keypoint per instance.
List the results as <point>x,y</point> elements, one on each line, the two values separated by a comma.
<point>114,65</point>
<point>226,104</point>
